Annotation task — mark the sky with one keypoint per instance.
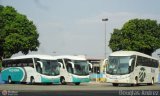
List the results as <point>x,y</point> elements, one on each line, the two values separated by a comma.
<point>75,27</point>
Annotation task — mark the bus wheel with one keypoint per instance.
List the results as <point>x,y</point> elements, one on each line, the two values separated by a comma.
<point>135,82</point>
<point>152,82</point>
<point>9,80</point>
<point>62,80</point>
<point>77,83</point>
<point>32,81</point>
<point>115,84</point>
<point>23,82</point>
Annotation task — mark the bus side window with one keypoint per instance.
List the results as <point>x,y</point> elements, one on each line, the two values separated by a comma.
<point>139,61</point>
<point>30,61</point>
<point>19,65</point>
<point>133,63</point>
<point>155,64</point>
<point>30,65</point>
<point>68,65</point>
<point>5,63</point>
<point>14,65</point>
<point>19,62</point>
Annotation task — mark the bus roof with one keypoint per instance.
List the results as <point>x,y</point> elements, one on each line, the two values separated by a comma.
<point>130,53</point>
<point>48,57</point>
<point>70,57</point>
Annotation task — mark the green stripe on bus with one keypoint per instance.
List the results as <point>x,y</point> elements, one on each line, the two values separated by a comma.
<point>16,74</point>
<point>76,79</point>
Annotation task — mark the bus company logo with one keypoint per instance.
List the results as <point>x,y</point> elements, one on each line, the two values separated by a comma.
<point>4,92</point>
<point>142,74</point>
<point>13,70</point>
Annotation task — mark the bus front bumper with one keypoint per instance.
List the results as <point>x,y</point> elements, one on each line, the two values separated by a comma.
<point>119,79</point>
<point>80,79</point>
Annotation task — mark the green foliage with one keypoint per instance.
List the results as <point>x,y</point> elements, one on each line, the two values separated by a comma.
<point>0,65</point>
<point>17,33</point>
<point>141,35</point>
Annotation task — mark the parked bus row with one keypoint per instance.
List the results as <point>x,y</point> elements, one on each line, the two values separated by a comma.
<point>46,69</point>
<point>121,67</point>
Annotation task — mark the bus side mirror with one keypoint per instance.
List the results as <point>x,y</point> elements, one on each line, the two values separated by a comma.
<point>105,61</point>
<point>130,62</point>
<point>61,65</point>
<point>90,65</point>
<point>41,64</point>
<point>71,64</point>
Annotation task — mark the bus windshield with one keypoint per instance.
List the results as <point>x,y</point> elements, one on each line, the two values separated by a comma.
<point>50,67</point>
<point>118,65</point>
<point>81,67</point>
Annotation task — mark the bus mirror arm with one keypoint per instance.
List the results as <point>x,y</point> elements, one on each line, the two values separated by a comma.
<point>60,64</point>
<point>71,64</point>
<point>41,64</point>
<point>130,62</point>
<point>90,65</point>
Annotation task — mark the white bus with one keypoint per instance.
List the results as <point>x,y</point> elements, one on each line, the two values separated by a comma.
<point>74,69</point>
<point>31,69</point>
<point>132,68</point>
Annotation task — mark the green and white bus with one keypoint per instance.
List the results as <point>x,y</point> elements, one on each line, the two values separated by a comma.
<point>31,69</point>
<point>74,69</point>
<point>131,67</point>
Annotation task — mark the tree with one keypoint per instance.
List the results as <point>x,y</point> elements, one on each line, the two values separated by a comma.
<point>141,35</point>
<point>17,33</point>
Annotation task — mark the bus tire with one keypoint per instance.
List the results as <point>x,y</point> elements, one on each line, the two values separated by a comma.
<point>9,80</point>
<point>23,82</point>
<point>135,82</point>
<point>115,84</point>
<point>32,80</point>
<point>152,82</point>
<point>62,80</point>
<point>77,83</point>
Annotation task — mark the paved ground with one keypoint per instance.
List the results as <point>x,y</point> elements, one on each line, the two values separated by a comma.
<point>84,86</point>
<point>85,89</point>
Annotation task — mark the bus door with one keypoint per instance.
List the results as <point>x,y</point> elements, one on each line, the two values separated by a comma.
<point>69,69</point>
<point>63,70</point>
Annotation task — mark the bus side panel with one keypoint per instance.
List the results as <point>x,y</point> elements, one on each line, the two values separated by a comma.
<point>132,77</point>
<point>145,74</point>
<point>5,74</point>
<point>16,74</point>
<point>30,72</point>
<point>39,78</point>
<point>156,75</point>
<point>66,75</point>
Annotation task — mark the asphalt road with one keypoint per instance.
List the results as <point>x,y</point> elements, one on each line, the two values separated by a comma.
<point>85,89</point>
